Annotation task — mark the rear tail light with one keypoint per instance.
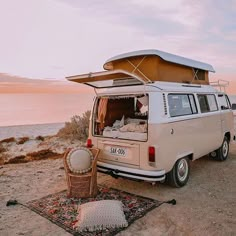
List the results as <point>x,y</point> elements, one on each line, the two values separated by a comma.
<point>151,154</point>
<point>89,143</point>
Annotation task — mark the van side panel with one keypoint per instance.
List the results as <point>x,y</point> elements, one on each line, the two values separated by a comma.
<point>173,137</point>
<point>179,138</point>
<point>227,123</point>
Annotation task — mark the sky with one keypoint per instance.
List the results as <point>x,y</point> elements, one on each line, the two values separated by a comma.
<point>52,39</point>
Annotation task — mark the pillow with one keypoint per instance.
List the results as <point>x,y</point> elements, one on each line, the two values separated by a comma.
<point>79,160</point>
<point>99,215</point>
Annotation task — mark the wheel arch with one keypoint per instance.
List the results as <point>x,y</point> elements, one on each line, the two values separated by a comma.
<point>228,136</point>
<point>189,155</point>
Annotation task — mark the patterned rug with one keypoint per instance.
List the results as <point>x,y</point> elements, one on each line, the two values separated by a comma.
<point>63,211</point>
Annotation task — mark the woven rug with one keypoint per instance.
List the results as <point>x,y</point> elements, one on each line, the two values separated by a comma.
<point>63,211</point>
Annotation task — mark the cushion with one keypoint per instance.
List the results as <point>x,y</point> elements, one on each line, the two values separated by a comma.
<point>100,214</point>
<point>79,160</point>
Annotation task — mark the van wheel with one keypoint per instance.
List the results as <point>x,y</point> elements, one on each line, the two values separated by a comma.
<point>179,174</point>
<point>222,153</point>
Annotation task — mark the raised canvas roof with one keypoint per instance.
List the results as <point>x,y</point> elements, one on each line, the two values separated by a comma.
<point>166,57</point>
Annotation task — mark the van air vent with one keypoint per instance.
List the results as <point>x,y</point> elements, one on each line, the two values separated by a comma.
<point>164,101</point>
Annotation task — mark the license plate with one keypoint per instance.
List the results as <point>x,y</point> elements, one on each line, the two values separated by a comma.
<point>117,151</point>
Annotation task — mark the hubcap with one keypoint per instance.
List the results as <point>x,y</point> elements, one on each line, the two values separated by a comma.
<point>225,148</point>
<point>182,170</point>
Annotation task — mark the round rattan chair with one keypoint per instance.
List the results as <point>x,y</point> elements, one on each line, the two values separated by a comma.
<point>82,185</point>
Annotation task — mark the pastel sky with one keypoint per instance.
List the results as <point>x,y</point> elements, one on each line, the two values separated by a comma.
<point>57,38</point>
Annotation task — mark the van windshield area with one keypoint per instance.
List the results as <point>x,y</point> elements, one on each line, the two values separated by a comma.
<point>121,117</point>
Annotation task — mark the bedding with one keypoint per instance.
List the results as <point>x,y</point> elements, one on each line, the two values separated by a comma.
<point>125,135</point>
<point>135,129</point>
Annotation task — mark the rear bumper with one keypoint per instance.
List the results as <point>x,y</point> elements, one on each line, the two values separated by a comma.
<point>126,172</point>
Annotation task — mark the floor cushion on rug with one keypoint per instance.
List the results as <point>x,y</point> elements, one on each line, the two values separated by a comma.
<point>102,214</point>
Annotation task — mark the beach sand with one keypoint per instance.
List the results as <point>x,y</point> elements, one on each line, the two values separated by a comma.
<point>205,206</point>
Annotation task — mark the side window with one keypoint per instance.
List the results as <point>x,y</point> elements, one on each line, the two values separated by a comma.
<point>223,102</point>
<point>207,103</point>
<point>181,104</point>
<point>212,102</point>
<point>202,99</point>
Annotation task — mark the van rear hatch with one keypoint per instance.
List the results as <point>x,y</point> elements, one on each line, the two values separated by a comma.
<point>119,152</point>
<point>107,79</point>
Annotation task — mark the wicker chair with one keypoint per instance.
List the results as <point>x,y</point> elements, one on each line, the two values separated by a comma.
<point>82,185</point>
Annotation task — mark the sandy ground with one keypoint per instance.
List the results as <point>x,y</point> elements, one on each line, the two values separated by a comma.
<point>205,206</point>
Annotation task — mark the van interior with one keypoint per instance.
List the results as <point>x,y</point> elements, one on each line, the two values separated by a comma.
<point>122,117</point>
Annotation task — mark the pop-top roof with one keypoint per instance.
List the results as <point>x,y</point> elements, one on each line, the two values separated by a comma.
<point>165,56</point>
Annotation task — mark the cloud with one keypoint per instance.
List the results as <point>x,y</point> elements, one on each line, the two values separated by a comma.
<point>56,38</point>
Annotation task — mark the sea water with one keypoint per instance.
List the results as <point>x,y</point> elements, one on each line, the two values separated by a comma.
<point>24,109</point>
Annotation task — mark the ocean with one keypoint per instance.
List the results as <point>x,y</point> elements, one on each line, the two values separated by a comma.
<point>25,109</point>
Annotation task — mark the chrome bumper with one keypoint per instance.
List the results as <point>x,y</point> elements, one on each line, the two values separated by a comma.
<point>131,173</point>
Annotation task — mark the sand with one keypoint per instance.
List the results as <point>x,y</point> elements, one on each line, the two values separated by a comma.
<point>205,206</point>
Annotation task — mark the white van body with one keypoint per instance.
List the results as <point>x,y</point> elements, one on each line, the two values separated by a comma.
<point>150,131</point>
<point>173,137</point>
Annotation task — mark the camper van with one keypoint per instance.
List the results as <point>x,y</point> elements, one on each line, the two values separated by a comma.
<point>153,113</point>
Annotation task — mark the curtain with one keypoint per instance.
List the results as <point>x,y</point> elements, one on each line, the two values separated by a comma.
<point>102,110</point>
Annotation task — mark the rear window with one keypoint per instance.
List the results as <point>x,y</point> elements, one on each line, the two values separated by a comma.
<point>122,117</point>
<point>181,104</point>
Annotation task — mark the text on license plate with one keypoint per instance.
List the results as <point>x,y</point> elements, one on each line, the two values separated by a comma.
<point>117,151</point>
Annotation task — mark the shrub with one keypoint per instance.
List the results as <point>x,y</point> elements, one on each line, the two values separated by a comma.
<point>77,128</point>
<point>40,138</point>
<point>22,140</point>
<point>17,160</point>
<point>8,140</point>
<point>44,154</point>
<point>2,149</point>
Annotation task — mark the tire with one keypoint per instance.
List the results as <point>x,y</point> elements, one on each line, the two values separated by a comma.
<point>179,175</point>
<point>222,153</point>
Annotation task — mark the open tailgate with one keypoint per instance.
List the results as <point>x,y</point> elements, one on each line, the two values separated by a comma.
<point>107,79</point>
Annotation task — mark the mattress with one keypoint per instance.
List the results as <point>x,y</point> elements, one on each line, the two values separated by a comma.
<point>125,135</point>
